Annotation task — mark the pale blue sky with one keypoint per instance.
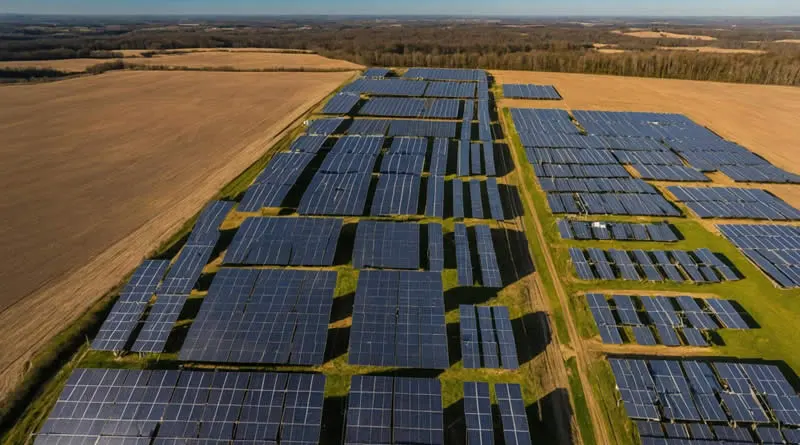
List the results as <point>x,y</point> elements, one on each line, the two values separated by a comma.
<point>378,7</point>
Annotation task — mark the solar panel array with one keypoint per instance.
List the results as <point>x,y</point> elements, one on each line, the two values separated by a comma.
<point>394,410</point>
<point>184,273</point>
<point>325,126</point>
<point>411,107</point>
<point>162,317</point>
<point>489,269</point>
<point>123,406</point>
<point>435,247</point>
<point>276,180</point>
<point>263,316</point>
<point>398,320</point>
<point>774,249</point>
<point>699,266</point>
<point>616,230</point>
<point>341,103</point>
<point>460,75</point>
<point>384,244</point>
<point>530,91</point>
<point>285,241</point>
<point>669,316</point>
<point>336,194</point>
<point>206,229</point>
<point>478,414</point>
<point>376,72</point>
<point>410,88</point>
<point>132,303</point>
<point>487,339</point>
<point>723,401</point>
<point>512,414</point>
<point>730,202</point>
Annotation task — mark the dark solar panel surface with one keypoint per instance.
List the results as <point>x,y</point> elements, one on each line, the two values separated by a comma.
<point>512,414</point>
<point>384,244</point>
<point>463,256</point>
<point>478,414</point>
<point>285,241</point>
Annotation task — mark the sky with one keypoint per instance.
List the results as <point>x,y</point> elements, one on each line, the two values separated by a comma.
<point>412,7</point>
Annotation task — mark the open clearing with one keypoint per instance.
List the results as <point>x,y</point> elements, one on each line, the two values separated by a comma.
<point>98,171</point>
<point>245,60</point>
<point>711,49</point>
<point>65,65</point>
<point>663,35</point>
<point>762,118</point>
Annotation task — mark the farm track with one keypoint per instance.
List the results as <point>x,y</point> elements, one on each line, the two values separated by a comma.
<point>552,357</point>
<point>599,423</point>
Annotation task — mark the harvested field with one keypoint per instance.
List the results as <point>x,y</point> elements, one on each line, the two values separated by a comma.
<point>98,171</point>
<point>65,65</point>
<point>138,52</point>
<point>711,49</point>
<point>769,129</point>
<point>663,35</point>
<point>788,41</point>
<point>245,60</point>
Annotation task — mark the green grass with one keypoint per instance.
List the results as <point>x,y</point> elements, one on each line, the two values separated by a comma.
<point>773,309</point>
<point>584,419</point>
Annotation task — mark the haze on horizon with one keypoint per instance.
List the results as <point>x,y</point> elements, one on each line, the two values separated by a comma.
<point>619,8</point>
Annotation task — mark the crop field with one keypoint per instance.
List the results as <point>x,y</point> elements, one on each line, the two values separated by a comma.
<point>770,308</point>
<point>99,171</point>
<point>65,65</point>
<point>664,35</point>
<point>244,60</point>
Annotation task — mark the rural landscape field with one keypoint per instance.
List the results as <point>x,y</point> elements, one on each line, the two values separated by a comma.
<point>399,231</point>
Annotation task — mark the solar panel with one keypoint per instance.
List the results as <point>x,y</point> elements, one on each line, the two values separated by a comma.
<point>478,414</point>
<point>163,315</point>
<point>495,203</point>
<point>206,230</point>
<point>668,335</point>
<point>726,313</point>
<point>341,103</point>
<point>458,198</point>
<point>435,247</point>
<point>463,256</point>
<point>644,336</point>
<point>438,165</point>
<point>396,194</point>
<point>336,194</point>
<point>505,338</point>
<point>512,414</point>
<point>434,203</point>
<point>475,199</point>
<point>376,72</point>
<point>285,241</point>
<point>470,341</point>
<point>386,87</point>
<point>475,158</point>
<point>124,316</point>
<point>530,91</point>
<point>732,202</point>
<point>694,337</point>
<point>626,310</point>
<point>324,127</point>
<point>263,316</point>
<point>418,416</point>
<point>369,410</point>
<point>398,320</point>
<point>125,406</point>
<point>183,274</point>
<point>386,244</point>
<point>463,158</point>
<point>489,347</point>
<point>273,184</point>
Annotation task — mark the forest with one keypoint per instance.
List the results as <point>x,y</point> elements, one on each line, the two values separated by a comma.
<point>514,45</point>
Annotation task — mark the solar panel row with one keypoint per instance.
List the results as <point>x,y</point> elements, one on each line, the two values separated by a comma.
<point>774,249</point>
<point>385,244</point>
<point>263,316</point>
<point>487,339</point>
<point>115,406</point>
<point>730,202</point>
<point>401,127</point>
<point>632,204</point>
<point>276,180</point>
<point>411,107</point>
<point>616,230</point>
<point>530,91</point>
<point>341,103</point>
<point>285,241</point>
<point>398,320</point>
<point>674,265</point>
<point>460,75</point>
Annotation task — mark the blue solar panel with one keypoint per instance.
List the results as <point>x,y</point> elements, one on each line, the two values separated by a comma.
<point>396,194</point>
<point>694,337</point>
<point>450,89</point>
<point>434,203</point>
<point>386,87</point>
<point>418,416</point>
<point>162,317</point>
<point>463,158</point>
<point>470,341</point>
<point>488,159</point>
<point>464,75</point>
<point>475,159</point>
<point>726,313</point>
<point>439,157</point>
<point>376,72</point>
<point>369,410</point>
<point>336,194</point>
<point>458,198</point>
<point>308,144</point>
<point>475,199</point>
<point>644,336</point>
<point>341,103</point>
<point>435,247</point>
<point>530,91</point>
<point>183,274</point>
<point>478,414</point>
<point>495,203</point>
<point>386,244</point>
<point>668,335</point>
<point>463,256</point>
<point>512,414</point>
<point>324,127</point>
<point>285,241</point>
<point>275,181</point>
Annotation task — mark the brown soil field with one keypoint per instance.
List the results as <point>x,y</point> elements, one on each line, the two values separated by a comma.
<point>66,65</point>
<point>664,35</point>
<point>762,118</point>
<point>98,171</point>
<point>243,60</point>
<point>138,52</point>
<point>711,49</point>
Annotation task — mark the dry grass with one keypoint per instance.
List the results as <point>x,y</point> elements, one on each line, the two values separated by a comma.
<point>664,35</point>
<point>245,60</point>
<point>761,118</point>
<point>610,51</point>
<point>65,65</point>
<point>787,41</point>
<point>98,171</point>
<point>711,49</point>
<point>138,52</point>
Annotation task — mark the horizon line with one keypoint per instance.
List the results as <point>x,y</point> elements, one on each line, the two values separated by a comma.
<point>279,14</point>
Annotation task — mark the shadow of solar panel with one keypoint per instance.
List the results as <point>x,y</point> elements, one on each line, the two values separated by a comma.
<point>396,194</point>
<point>263,316</point>
<point>285,241</point>
<point>336,194</point>
<point>163,315</point>
<point>183,275</point>
<point>435,247</point>
<point>387,245</point>
<point>512,413</point>
<point>369,410</point>
<point>478,414</point>
<point>463,256</point>
<point>470,341</point>
<point>130,306</point>
<point>341,103</point>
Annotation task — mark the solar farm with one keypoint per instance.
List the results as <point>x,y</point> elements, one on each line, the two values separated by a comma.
<point>413,265</point>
